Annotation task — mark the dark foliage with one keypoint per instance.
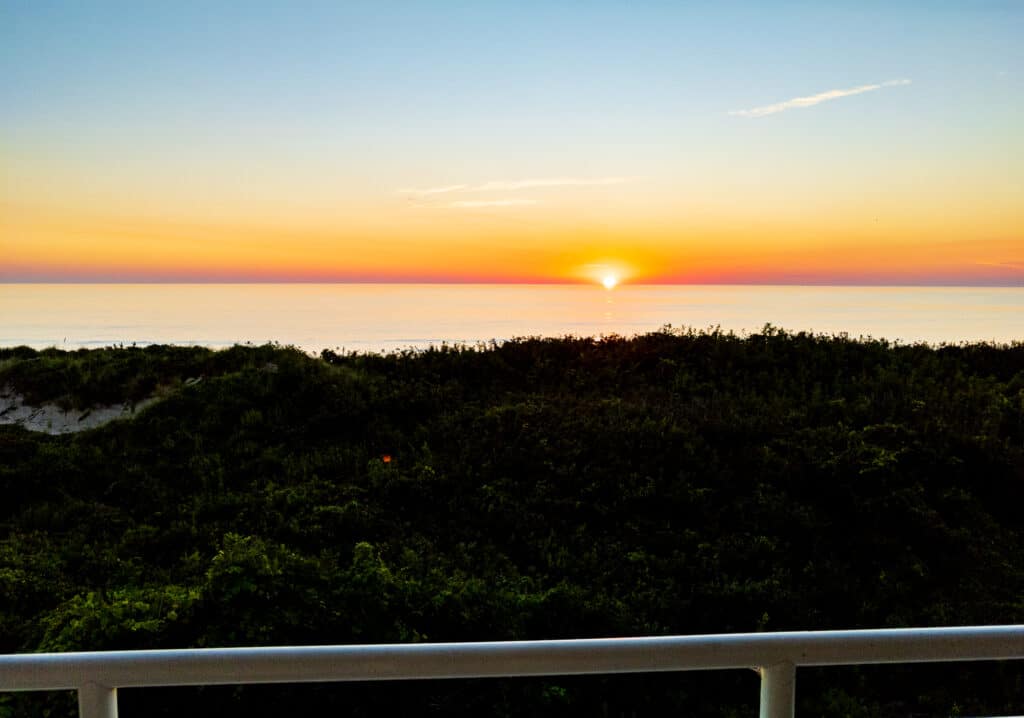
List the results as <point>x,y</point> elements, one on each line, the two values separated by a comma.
<point>673,483</point>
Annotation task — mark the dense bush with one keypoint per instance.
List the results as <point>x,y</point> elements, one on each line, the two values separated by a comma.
<point>672,483</point>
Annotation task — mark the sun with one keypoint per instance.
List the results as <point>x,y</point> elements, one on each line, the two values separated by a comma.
<point>609,273</point>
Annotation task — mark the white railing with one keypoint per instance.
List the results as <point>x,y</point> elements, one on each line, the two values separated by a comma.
<point>97,675</point>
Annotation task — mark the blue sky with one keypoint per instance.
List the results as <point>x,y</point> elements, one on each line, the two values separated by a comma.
<point>306,101</point>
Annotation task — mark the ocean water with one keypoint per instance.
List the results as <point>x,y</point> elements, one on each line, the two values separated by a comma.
<point>385,317</point>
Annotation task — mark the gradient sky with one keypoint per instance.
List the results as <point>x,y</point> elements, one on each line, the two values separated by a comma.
<point>799,142</point>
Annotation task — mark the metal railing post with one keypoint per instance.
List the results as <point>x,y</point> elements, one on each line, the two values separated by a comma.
<point>96,701</point>
<point>778,690</point>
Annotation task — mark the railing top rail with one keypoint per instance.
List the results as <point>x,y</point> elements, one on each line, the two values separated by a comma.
<point>304,664</point>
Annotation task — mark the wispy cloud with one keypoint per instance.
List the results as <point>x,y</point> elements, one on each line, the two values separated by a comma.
<point>550,182</point>
<point>1010,264</point>
<point>472,204</point>
<point>511,185</point>
<point>435,190</point>
<point>812,100</point>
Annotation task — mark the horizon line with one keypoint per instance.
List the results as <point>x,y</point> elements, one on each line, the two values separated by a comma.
<point>523,283</point>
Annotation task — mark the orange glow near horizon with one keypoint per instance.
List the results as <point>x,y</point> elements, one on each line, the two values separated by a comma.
<point>515,245</point>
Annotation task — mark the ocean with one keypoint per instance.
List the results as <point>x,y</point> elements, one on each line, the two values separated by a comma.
<point>388,317</point>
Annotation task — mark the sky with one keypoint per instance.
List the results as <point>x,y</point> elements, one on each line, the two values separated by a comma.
<point>560,141</point>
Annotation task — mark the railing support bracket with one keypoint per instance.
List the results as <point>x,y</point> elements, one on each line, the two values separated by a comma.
<point>96,701</point>
<point>778,690</point>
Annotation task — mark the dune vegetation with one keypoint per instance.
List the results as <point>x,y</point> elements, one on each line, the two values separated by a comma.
<point>673,483</point>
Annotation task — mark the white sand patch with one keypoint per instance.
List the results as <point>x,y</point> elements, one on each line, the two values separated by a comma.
<point>52,419</point>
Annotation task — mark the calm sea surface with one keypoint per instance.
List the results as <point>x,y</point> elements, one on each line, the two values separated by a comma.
<point>377,317</point>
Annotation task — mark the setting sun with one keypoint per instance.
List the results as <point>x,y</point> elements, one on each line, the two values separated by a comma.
<point>609,281</point>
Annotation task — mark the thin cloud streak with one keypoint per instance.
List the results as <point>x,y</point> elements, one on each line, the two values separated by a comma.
<point>1010,264</point>
<point>812,100</point>
<point>474,204</point>
<point>436,190</point>
<point>507,185</point>
<point>550,182</point>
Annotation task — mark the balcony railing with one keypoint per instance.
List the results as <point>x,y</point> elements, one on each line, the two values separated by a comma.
<point>776,656</point>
